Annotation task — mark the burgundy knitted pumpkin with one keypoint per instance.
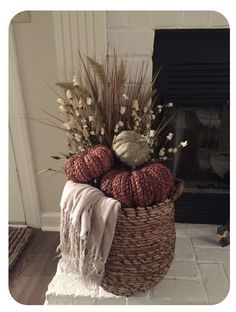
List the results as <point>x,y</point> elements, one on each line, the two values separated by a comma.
<point>144,186</point>
<point>89,164</point>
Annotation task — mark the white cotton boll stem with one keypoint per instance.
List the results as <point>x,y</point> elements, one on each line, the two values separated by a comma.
<point>91,118</point>
<point>184,143</point>
<point>161,152</point>
<point>80,104</point>
<point>152,133</point>
<point>75,81</point>
<point>86,133</point>
<point>69,95</point>
<point>89,101</point>
<point>77,113</point>
<point>169,136</point>
<point>69,125</point>
<point>122,110</point>
<point>66,126</point>
<point>62,109</point>
<point>135,105</point>
<point>78,137</point>
<point>61,101</point>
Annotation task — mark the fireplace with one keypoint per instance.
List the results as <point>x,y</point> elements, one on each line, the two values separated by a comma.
<point>194,75</point>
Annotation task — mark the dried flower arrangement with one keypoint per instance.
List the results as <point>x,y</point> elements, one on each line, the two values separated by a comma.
<point>115,128</point>
<point>116,108</point>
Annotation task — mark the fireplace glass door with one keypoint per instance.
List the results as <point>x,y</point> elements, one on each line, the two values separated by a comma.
<point>204,165</point>
<point>194,76</point>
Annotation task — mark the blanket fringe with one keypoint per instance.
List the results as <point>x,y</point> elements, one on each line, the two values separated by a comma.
<point>76,258</point>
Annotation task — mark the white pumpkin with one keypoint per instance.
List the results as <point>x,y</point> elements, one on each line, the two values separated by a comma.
<point>131,148</point>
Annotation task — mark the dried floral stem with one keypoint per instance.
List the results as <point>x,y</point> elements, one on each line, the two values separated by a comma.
<point>107,98</point>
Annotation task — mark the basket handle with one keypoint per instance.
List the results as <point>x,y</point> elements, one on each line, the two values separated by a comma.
<point>178,189</point>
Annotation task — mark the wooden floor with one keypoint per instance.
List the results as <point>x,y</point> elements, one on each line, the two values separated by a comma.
<point>29,279</point>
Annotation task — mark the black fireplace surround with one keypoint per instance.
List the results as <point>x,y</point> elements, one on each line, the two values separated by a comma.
<point>194,75</point>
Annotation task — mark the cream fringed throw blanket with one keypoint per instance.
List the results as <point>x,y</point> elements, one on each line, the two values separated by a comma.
<point>88,220</point>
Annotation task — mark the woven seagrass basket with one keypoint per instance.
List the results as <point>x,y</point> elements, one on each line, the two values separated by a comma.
<point>143,247</point>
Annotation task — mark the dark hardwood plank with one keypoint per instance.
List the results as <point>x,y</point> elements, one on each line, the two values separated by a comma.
<point>29,279</point>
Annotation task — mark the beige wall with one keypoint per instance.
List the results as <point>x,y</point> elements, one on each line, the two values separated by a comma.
<point>38,53</point>
<point>46,49</point>
<point>37,66</point>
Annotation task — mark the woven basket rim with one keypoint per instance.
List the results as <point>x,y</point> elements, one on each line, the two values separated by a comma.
<point>166,202</point>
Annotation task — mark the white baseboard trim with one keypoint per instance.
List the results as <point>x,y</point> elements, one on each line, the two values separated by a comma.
<point>50,221</point>
<point>17,225</point>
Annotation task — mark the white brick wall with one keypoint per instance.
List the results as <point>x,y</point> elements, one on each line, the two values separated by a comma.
<point>132,32</point>
<point>194,19</point>
<point>138,42</point>
<point>217,20</point>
